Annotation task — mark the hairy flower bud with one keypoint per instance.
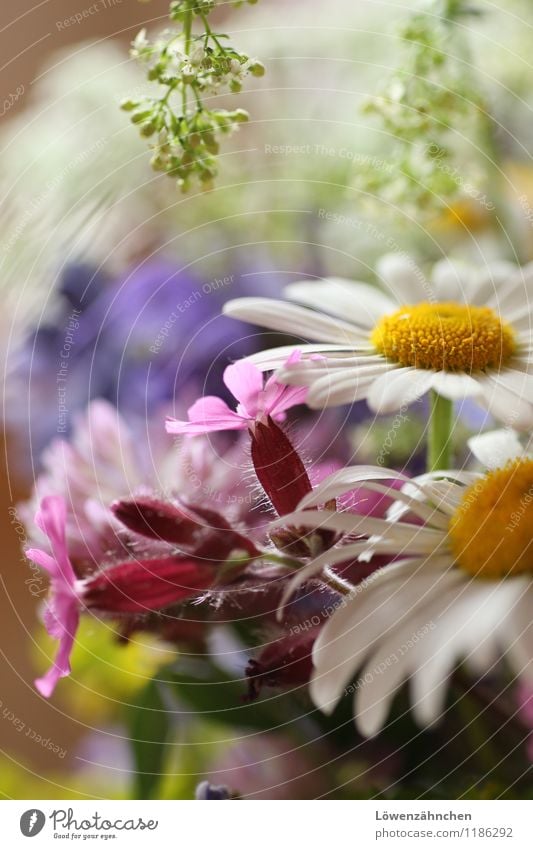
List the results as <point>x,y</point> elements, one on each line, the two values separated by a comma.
<point>141,586</point>
<point>278,466</point>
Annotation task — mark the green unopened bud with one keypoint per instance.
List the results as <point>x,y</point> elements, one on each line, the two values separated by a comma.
<point>257,69</point>
<point>211,143</point>
<point>235,86</point>
<point>158,163</point>
<point>141,117</point>
<point>240,116</point>
<point>129,105</point>
<point>148,129</point>
<point>156,72</point>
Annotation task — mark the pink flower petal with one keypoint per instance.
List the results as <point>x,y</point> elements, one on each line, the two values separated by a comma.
<point>51,519</point>
<point>61,666</point>
<point>62,613</point>
<point>245,382</point>
<point>278,397</point>
<point>206,415</point>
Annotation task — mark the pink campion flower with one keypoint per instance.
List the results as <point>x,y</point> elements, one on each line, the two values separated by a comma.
<point>63,605</point>
<point>135,586</point>
<point>257,400</point>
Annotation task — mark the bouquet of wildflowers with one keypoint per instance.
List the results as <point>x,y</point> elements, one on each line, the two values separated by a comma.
<point>359,617</point>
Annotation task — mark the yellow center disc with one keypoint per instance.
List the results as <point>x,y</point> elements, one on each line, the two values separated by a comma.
<point>491,532</point>
<point>445,336</point>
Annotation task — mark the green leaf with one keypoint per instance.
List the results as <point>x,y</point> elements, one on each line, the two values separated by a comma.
<point>149,728</point>
<point>212,695</point>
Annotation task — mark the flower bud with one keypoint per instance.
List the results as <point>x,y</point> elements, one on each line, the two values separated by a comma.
<point>257,69</point>
<point>278,467</point>
<point>141,586</point>
<point>158,520</point>
<point>284,663</point>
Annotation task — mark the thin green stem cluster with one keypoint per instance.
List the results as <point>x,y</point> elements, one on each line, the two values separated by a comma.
<point>188,65</point>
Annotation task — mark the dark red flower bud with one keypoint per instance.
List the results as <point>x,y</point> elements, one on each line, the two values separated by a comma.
<point>141,586</point>
<point>201,531</point>
<point>278,466</point>
<point>158,520</point>
<point>285,663</point>
<point>222,539</point>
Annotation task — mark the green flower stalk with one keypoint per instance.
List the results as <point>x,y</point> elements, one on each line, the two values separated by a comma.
<point>189,66</point>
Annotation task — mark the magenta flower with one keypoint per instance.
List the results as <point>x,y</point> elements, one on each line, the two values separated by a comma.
<point>257,400</point>
<point>63,604</point>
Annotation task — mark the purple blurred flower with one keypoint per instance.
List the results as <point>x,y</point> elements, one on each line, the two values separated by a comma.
<point>139,341</point>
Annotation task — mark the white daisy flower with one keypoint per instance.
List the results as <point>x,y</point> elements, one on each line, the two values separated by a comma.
<point>462,333</point>
<point>462,590</point>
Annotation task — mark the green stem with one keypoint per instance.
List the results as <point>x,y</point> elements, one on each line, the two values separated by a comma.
<point>210,34</point>
<point>187,33</point>
<point>327,576</point>
<point>440,433</point>
<point>281,560</point>
<point>187,29</point>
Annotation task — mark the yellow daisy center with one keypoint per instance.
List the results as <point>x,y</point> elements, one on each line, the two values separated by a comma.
<point>447,336</point>
<point>491,531</point>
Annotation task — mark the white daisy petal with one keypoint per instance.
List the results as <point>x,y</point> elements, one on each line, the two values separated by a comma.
<point>518,382</point>
<point>402,279</point>
<point>345,480</point>
<point>337,652</point>
<point>315,567</point>
<point>455,386</point>
<point>362,303</point>
<point>514,292</point>
<point>506,406</point>
<point>298,321</point>
<point>428,512</point>
<point>492,280</point>
<point>495,448</point>
<point>401,654</point>
<point>452,281</point>
<point>398,388</point>
<point>376,688</point>
<point>276,357</point>
<point>341,386</point>
<point>419,538</point>
<point>470,612</point>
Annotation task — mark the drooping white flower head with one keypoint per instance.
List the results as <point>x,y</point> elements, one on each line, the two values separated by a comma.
<point>463,332</point>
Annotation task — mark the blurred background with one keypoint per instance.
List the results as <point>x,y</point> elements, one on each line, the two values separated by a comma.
<point>97,252</point>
